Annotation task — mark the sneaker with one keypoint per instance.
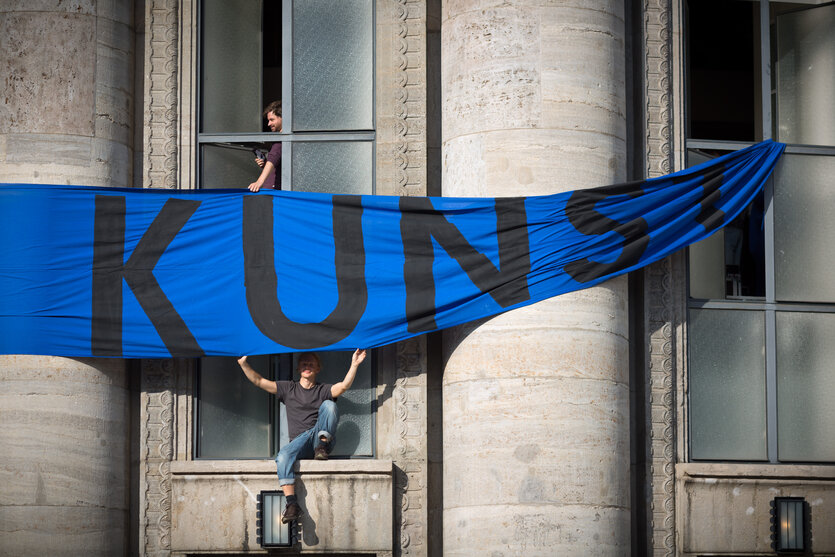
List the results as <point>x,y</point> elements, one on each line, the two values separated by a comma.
<point>292,512</point>
<point>320,453</point>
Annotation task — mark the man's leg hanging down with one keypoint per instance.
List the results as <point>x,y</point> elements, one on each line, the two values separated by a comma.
<point>285,462</point>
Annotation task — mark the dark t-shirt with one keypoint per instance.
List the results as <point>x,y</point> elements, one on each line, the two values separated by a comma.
<point>302,404</point>
<point>274,180</point>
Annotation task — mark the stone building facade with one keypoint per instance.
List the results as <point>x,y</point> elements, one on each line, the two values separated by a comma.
<point>563,428</point>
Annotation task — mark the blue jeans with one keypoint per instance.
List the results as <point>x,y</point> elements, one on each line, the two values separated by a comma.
<point>305,443</point>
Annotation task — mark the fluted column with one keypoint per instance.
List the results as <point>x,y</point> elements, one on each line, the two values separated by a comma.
<point>66,117</point>
<point>536,421</point>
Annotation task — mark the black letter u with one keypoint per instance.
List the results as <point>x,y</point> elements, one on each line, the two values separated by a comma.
<point>262,281</point>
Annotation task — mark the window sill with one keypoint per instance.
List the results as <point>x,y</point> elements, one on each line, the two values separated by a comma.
<point>755,471</point>
<point>259,467</point>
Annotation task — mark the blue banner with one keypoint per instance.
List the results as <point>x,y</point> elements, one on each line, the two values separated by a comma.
<point>143,273</point>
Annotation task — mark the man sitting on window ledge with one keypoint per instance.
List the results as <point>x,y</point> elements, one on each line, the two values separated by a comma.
<point>311,418</point>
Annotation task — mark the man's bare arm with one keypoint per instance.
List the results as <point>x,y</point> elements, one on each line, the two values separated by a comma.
<point>338,388</point>
<point>256,185</point>
<point>256,377</point>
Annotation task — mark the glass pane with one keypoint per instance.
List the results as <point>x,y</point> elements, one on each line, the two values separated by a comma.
<point>275,532</point>
<point>804,250</point>
<point>234,414</point>
<point>232,66</point>
<point>333,72</point>
<point>730,264</point>
<point>353,435</point>
<point>727,385</point>
<point>724,76</point>
<point>805,76</point>
<point>805,386</point>
<point>333,167</point>
<point>225,166</point>
<point>707,267</point>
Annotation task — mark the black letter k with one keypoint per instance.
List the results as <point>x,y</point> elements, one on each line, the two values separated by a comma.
<point>109,268</point>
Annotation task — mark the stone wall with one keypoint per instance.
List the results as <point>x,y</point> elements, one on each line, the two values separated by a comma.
<point>66,117</point>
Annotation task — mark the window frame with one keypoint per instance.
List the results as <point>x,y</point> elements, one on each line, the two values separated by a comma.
<point>769,305</point>
<point>281,364</point>
<point>287,136</point>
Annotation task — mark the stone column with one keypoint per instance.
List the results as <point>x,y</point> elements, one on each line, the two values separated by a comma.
<point>65,118</point>
<point>536,421</point>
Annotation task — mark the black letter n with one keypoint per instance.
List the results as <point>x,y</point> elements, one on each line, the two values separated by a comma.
<point>420,222</point>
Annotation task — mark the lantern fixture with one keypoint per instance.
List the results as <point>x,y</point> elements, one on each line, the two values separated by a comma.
<point>269,530</point>
<point>789,522</point>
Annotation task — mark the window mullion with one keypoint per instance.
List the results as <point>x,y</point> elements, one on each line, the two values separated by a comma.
<point>287,65</point>
<point>765,67</point>
<point>287,91</point>
<point>286,166</point>
<point>770,314</point>
<point>771,383</point>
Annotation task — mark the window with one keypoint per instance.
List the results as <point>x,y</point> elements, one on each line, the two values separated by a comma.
<point>316,57</point>
<point>761,313</point>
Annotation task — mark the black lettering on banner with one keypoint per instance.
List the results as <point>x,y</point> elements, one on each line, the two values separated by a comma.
<point>262,280</point>
<point>710,217</point>
<point>420,222</point>
<point>109,268</point>
<point>582,215</point>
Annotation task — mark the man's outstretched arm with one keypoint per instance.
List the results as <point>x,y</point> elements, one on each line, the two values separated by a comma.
<point>256,185</point>
<point>256,377</point>
<point>338,388</point>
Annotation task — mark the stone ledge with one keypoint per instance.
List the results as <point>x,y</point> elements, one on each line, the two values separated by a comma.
<point>213,505</point>
<point>258,467</point>
<point>744,471</point>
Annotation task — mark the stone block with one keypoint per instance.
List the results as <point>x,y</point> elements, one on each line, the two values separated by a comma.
<point>569,451</point>
<point>87,7</point>
<point>48,149</point>
<point>532,162</point>
<point>63,531</point>
<point>725,508</point>
<point>348,504</point>
<point>51,84</point>
<point>532,530</point>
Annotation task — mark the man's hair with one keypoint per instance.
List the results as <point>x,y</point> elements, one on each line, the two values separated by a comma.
<point>313,355</point>
<point>274,107</point>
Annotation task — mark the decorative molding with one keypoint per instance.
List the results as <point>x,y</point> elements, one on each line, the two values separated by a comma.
<point>157,452</point>
<point>157,413</point>
<point>161,93</point>
<point>661,400</point>
<point>409,65</point>
<point>660,305</point>
<point>408,94</point>
<point>658,86</point>
<point>410,453</point>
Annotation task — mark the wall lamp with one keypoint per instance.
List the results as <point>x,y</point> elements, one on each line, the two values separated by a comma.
<point>269,530</point>
<point>789,524</point>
